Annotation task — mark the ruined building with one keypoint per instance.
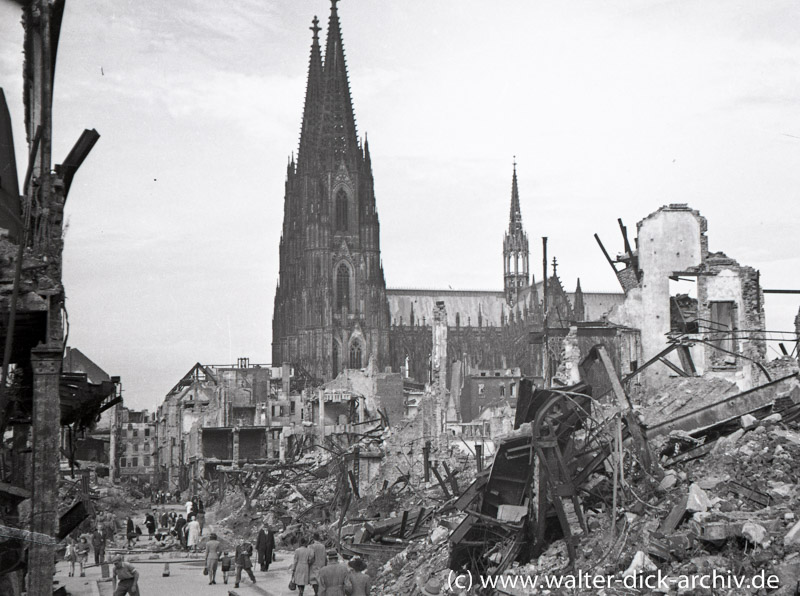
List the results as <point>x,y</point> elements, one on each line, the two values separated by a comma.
<point>332,308</point>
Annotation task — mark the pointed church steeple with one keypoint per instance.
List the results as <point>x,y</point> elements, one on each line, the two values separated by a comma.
<point>515,216</point>
<point>312,111</point>
<point>579,310</point>
<point>516,275</point>
<point>339,138</point>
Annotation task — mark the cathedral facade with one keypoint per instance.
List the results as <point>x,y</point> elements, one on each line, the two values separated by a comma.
<point>332,307</point>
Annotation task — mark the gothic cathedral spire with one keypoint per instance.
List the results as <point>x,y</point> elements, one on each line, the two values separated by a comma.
<point>330,309</point>
<point>516,275</point>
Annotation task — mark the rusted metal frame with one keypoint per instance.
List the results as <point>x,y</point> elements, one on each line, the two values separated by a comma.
<point>608,257</point>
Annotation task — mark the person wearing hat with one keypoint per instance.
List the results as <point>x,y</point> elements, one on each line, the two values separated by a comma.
<point>432,587</point>
<point>265,544</point>
<point>332,577</point>
<point>127,577</point>
<point>357,583</point>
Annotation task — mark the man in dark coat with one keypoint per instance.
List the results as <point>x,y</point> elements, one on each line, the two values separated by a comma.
<point>179,525</point>
<point>265,544</point>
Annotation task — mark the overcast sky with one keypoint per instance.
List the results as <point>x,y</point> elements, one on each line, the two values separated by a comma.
<point>612,108</point>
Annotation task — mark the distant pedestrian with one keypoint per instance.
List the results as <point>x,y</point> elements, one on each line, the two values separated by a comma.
<point>164,518</point>
<point>189,508</point>
<point>303,559</point>
<point>150,523</point>
<point>265,545</point>
<point>320,556</point>
<point>201,519</point>
<point>180,525</point>
<point>225,566</point>
<point>99,545</point>
<point>213,548</point>
<point>130,532</point>
<point>70,556</point>
<point>192,535</point>
<point>243,562</point>
<point>127,577</point>
<point>358,583</point>
<point>333,576</point>
<point>82,553</point>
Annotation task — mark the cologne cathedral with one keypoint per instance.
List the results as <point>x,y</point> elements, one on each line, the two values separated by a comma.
<point>332,307</point>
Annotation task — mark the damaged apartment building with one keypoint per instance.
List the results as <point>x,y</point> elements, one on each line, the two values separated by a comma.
<point>222,415</point>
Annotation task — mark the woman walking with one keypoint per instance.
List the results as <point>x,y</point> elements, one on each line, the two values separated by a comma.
<point>303,558</point>
<point>82,553</point>
<point>358,583</point>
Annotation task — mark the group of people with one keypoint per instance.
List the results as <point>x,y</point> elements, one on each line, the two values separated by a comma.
<point>159,526</point>
<point>321,569</point>
<point>160,497</point>
<point>217,559</point>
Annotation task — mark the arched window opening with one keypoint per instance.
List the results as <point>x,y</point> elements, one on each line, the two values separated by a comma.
<point>341,211</point>
<point>335,358</point>
<point>355,355</point>
<point>342,287</point>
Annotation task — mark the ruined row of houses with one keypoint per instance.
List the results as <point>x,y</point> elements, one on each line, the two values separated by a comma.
<point>684,312</point>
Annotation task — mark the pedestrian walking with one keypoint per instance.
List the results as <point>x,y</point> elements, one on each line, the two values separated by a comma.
<point>320,558</point>
<point>82,553</point>
<point>333,576</point>
<point>70,556</point>
<point>213,548</point>
<point>130,531</point>
<point>225,565</point>
<point>303,559</point>
<point>358,583</point>
<point>193,535</point>
<point>99,545</point>
<point>127,577</point>
<point>150,523</point>
<point>265,545</point>
<point>243,553</point>
<point>180,524</point>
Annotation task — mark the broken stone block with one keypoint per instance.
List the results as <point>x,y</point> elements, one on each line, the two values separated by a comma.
<point>735,436</point>
<point>640,565</point>
<point>793,537</point>
<point>787,435</point>
<point>669,480</point>
<point>772,419</point>
<point>748,421</point>
<point>439,534</point>
<point>781,489</point>
<point>698,500</point>
<point>755,533</point>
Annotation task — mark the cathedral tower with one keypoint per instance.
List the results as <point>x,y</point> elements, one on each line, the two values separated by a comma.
<point>516,275</point>
<point>331,310</point>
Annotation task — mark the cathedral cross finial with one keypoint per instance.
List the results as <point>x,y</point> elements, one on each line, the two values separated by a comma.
<point>555,266</point>
<point>515,163</point>
<point>315,27</point>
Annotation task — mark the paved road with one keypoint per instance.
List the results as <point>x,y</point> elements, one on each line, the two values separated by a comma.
<point>185,578</point>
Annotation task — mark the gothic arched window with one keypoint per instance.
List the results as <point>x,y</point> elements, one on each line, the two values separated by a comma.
<point>342,287</point>
<point>335,358</point>
<point>341,211</point>
<point>355,354</point>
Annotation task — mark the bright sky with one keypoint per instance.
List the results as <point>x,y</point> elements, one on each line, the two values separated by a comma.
<point>612,108</point>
